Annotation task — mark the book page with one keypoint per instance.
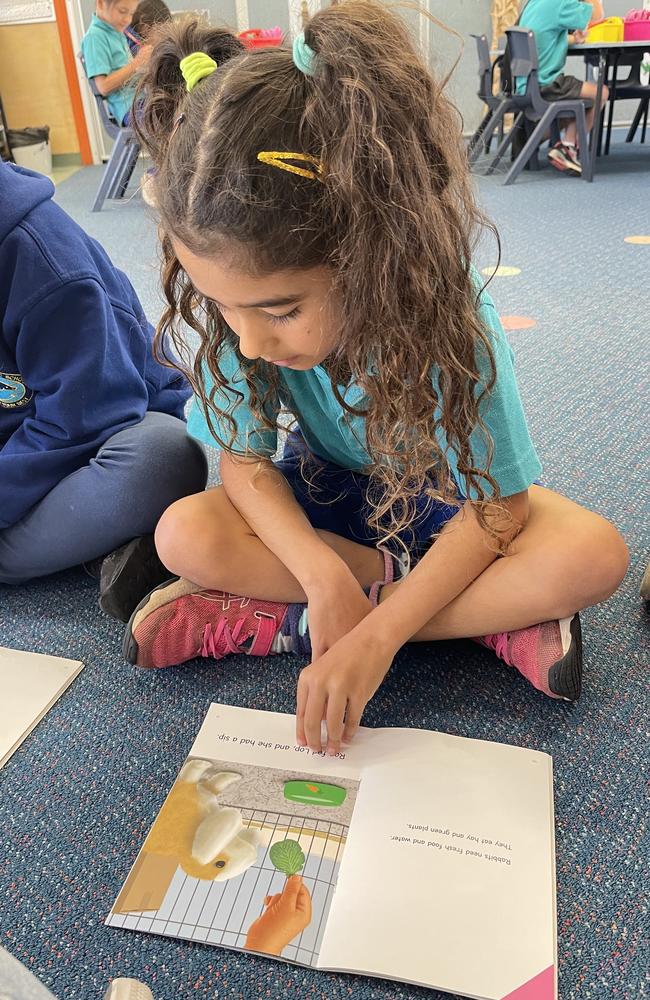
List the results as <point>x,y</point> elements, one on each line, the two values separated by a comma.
<point>448,878</point>
<point>410,855</point>
<point>30,683</point>
<point>246,850</point>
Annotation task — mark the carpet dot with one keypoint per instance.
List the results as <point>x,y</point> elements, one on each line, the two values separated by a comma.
<point>502,271</point>
<point>637,239</point>
<point>517,322</point>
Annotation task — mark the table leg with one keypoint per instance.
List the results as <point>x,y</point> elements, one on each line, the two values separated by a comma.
<point>596,128</point>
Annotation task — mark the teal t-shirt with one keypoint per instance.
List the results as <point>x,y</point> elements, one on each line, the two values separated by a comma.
<point>338,436</point>
<point>104,50</point>
<point>551,21</point>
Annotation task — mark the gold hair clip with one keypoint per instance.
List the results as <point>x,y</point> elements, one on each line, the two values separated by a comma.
<point>276,159</point>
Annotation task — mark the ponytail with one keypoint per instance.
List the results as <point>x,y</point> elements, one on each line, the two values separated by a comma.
<point>378,192</point>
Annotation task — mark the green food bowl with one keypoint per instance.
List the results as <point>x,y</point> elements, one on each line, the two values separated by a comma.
<point>314,793</point>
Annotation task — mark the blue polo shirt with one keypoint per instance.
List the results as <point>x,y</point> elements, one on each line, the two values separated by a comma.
<point>104,50</point>
<point>551,21</point>
<point>338,436</point>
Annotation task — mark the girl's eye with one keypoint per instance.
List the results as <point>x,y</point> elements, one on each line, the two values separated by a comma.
<point>287,317</point>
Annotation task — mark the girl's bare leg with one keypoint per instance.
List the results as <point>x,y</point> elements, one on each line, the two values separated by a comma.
<point>565,558</point>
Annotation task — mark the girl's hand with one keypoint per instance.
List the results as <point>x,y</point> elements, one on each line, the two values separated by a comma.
<point>142,56</point>
<point>337,687</point>
<point>335,608</point>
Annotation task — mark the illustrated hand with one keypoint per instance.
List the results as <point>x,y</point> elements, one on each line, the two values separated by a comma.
<point>337,687</point>
<point>334,610</point>
<point>287,913</point>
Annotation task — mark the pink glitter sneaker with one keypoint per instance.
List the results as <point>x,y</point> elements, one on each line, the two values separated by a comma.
<point>548,655</point>
<point>179,621</point>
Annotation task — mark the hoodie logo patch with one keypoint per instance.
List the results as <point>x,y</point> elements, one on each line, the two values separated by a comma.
<point>13,391</point>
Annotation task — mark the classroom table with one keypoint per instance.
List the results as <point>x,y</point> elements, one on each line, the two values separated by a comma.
<point>604,55</point>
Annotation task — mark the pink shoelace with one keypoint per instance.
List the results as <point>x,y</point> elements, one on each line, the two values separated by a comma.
<point>499,643</point>
<point>219,640</point>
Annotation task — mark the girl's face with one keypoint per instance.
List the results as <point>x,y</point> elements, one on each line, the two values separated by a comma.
<point>118,14</point>
<point>288,318</point>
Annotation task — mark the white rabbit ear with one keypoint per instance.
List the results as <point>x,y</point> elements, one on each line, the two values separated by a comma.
<point>214,833</point>
<point>239,855</point>
<point>193,770</point>
<point>217,781</point>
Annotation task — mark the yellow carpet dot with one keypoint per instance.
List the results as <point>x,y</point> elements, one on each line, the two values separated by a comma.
<point>637,239</point>
<point>502,271</point>
<point>518,322</point>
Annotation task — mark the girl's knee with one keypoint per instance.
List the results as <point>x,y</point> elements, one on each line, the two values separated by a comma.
<point>196,536</point>
<point>177,534</point>
<point>613,558</point>
<point>600,557</point>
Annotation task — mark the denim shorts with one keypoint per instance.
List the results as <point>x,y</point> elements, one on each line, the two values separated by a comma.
<point>335,499</point>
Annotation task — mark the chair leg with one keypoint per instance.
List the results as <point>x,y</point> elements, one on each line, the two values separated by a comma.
<point>129,167</point>
<point>645,119</point>
<point>121,153</point>
<point>635,122</point>
<point>503,145</point>
<point>476,138</point>
<point>107,183</point>
<point>534,140</point>
<point>502,129</point>
<point>610,121</point>
<point>487,134</point>
<point>119,185</point>
<point>583,143</point>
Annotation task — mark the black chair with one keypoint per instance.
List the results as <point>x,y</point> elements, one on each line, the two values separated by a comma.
<point>486,71</point>
<point>630,88</point>
<point>124,155</point>
<point>536,116</point>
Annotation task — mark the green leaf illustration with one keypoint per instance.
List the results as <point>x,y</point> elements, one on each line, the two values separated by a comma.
<point>287,856</point>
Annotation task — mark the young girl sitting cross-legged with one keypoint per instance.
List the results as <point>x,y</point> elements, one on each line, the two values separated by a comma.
<point>318,221</point>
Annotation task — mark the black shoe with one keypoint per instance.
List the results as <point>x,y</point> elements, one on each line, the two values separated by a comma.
<point>128,575</point>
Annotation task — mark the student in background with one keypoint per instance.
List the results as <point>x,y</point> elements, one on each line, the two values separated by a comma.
<point>93,445</point>
<point>107,57</point>
<point>552,21</point>
<point>147,15</point>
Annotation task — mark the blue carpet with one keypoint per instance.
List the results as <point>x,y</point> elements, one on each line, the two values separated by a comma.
<point>79,796</point>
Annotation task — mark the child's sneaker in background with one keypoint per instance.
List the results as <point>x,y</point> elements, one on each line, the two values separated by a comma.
<point>127,575</point>
<point>564,156</point>
<point>548,655</point>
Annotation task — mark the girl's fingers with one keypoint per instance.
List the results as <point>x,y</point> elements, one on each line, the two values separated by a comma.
<point>335,714</point>
<point>352,718</point>
<point>313,717</point>
<point>301,704</point>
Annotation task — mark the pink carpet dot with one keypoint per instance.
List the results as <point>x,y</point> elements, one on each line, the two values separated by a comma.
<point>637,239</point>
<point>518,322</point>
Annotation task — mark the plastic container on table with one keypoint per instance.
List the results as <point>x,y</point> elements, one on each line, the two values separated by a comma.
<point>261,38</point>
<point>608,30</point>
<point>637,26</point>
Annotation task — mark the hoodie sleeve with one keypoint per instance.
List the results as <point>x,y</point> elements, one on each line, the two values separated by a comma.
<point>84,360</point>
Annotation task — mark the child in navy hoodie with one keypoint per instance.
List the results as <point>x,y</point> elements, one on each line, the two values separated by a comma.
<point>93,446</point>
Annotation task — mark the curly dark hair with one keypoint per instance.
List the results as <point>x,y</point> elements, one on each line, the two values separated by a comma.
<point>395,220</point>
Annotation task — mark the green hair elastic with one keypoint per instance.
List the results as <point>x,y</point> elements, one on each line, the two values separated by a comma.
<point>196,67</point>
<point>303,56</point>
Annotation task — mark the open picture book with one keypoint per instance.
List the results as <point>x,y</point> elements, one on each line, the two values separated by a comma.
<point>410,855</point>
<point>30,684</point>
